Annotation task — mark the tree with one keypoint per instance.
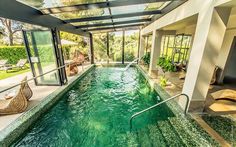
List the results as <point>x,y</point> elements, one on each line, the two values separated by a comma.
<point>9,28</point>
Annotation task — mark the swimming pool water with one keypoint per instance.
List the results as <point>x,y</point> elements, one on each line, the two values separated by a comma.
<point>96,111</point>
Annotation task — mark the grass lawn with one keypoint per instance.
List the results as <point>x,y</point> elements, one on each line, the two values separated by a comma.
<point>11,73</point>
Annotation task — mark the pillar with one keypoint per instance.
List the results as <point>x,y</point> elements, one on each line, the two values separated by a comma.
<point>123,47</point>
<point>141,46</point>
<point>91,48</point>
<point>155,50</point>
<point>210,30</point>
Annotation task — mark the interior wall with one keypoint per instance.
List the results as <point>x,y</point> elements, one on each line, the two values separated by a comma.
<point>230,69</point>
<point>227,49</point>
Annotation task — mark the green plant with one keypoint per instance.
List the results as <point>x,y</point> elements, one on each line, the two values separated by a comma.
<point>166,64</point>
<point>163,81</point>
<point>146,58</point>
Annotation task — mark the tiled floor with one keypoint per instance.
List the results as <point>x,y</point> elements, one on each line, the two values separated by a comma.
<point>39,93</point>
<point>174,87</point>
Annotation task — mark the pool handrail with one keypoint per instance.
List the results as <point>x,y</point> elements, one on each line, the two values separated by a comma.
<point>154,106</point>
<point>6,89</point>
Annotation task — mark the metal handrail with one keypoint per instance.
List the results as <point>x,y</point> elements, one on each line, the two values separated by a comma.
<point>154,106</point>
<point>6,89</point>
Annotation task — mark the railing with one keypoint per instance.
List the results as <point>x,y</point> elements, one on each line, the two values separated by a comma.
<point>154,106</point>
<point>38,77</point>
<point>135,60</point>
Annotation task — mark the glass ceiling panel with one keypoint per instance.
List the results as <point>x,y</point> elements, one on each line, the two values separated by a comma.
<point>92,22</point>
<point>137,8</point>
<point>97,27</point>
<point>128,24</point>
<point>129,18</point>
<point>82,14</point>
<point>41,4</point>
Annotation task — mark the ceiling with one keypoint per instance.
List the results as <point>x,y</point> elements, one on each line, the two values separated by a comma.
<point>104,15</point>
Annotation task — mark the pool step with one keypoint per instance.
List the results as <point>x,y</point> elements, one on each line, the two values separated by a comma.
<point>132,139</point>
<point>183,133</point>
<point>156,137</point>
<point>144,138</point>
<point>190,133</point>
<point>169,133</point>
<point>173,132</point>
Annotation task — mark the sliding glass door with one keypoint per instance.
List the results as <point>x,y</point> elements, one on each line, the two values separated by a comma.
<point>43,57</point>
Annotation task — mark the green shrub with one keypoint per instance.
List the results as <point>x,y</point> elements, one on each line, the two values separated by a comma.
<point>146,58</point>
<point>166,64</point>
<point>13,53</point>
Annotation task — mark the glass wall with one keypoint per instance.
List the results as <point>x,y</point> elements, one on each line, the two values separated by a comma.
<point>100,47</point>
<point>76,52</point>
<point>167,45</point>
<point>115,46</point>
<point>131,45</point>
<point>176,47</point>
<point>108,46</point>
<point>148,43</point>
<point>75,46</point>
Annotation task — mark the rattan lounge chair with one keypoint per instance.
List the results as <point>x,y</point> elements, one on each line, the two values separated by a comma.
<point>72,69</point>
<point>18,103</point>
<point>26,89</point>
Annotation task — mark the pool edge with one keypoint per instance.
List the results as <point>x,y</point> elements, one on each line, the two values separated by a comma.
<point>13,131</point>
<point>174,106</point>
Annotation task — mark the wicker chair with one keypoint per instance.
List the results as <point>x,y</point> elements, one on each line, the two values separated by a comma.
<point>18,103</point>
<point>26,89</point>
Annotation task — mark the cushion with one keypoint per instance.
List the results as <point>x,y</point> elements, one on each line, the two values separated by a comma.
<point>10,95</point>
<point>225,94</point>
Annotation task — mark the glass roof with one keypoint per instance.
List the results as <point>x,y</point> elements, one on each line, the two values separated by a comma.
<point>92,22</point>
<point>82,14</point>
<point>136,8</point>
<point>130,18</point>
<point>114,16</point>
<point>42,4</point>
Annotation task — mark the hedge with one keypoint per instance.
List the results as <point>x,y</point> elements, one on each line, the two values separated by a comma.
<point>12,53</point>
<point>15,53</point>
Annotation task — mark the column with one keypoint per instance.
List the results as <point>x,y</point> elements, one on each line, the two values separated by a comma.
<point>91,49</point>
<point>141,46</point>
<point>155,50</point>
<point>123,47</point>
<point>210,30</point>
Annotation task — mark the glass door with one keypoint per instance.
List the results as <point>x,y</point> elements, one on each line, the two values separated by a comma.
<point>43,57</point>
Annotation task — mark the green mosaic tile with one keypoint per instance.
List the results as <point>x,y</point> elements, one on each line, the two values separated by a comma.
<point>21,124</point>
<point>132,140</point>
<point>143,138</point>
<point>192,126</point>
<point>224,125</point>
<point>170,134</point>
<point>156,137</point>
